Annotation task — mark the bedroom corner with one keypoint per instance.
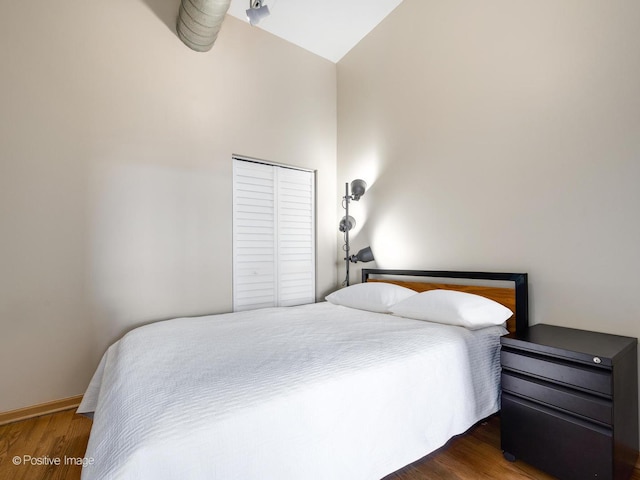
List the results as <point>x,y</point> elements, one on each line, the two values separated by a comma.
<point>116,172</point>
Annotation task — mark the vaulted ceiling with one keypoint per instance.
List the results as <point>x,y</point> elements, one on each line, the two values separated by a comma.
<point>329,28</point>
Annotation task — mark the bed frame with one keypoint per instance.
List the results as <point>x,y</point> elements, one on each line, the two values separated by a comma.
<point>516,298</point>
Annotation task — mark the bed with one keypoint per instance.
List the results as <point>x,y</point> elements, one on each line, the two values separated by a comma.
<point>322,391</point>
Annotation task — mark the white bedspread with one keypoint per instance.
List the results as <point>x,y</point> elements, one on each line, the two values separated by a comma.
<point>302,393</point>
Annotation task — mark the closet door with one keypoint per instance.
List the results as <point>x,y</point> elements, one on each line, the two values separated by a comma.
<point>295,237</point>
<point>273,236</point>
<point>254,236</point>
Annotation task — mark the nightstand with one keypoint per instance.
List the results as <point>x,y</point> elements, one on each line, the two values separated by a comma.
<point>570,402</point>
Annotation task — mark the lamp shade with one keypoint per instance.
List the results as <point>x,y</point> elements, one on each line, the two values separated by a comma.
<point>364,255</point>
<point>347,223</point>
<point>358,187</point>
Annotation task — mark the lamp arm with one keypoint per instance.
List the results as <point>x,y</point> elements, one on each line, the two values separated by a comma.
<point>347,198</point>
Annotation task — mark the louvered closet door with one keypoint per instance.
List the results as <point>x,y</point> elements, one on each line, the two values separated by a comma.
<point>273,236</point>
<point>296,237</point>
<point>254,236</point>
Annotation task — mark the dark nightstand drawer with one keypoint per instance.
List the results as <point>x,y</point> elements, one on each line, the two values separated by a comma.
<point>575,375</point>
<point>570,402</point>
<point>573,450</point>
<point>586,405</point>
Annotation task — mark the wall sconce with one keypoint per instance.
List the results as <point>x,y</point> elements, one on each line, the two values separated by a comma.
<point>358,187</point>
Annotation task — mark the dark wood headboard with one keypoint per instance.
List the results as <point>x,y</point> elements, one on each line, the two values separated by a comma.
<point>516,298</point>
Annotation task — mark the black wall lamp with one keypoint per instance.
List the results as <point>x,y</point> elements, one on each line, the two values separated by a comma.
<point>358,187</point>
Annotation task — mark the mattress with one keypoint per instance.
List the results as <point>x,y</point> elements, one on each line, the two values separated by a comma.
<point>311,392</point>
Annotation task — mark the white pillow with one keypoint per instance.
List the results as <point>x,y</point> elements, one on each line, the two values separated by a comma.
<point>453,308</point>
<point>374,296</point>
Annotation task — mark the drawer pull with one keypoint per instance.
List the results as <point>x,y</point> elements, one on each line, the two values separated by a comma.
<point>597,360</point>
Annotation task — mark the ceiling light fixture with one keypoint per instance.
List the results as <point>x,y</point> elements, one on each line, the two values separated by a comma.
<point>257,11</point>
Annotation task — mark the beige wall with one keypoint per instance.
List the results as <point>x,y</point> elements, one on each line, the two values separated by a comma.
<point>503,136</point>
<point>115,174</point>
<point>495,135</point>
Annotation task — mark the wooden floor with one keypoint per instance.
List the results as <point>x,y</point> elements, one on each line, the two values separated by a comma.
<point>63,437</point>
<point>473,456</point>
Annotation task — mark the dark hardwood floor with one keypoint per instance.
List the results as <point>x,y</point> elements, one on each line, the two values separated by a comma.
<point>472,456</point>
